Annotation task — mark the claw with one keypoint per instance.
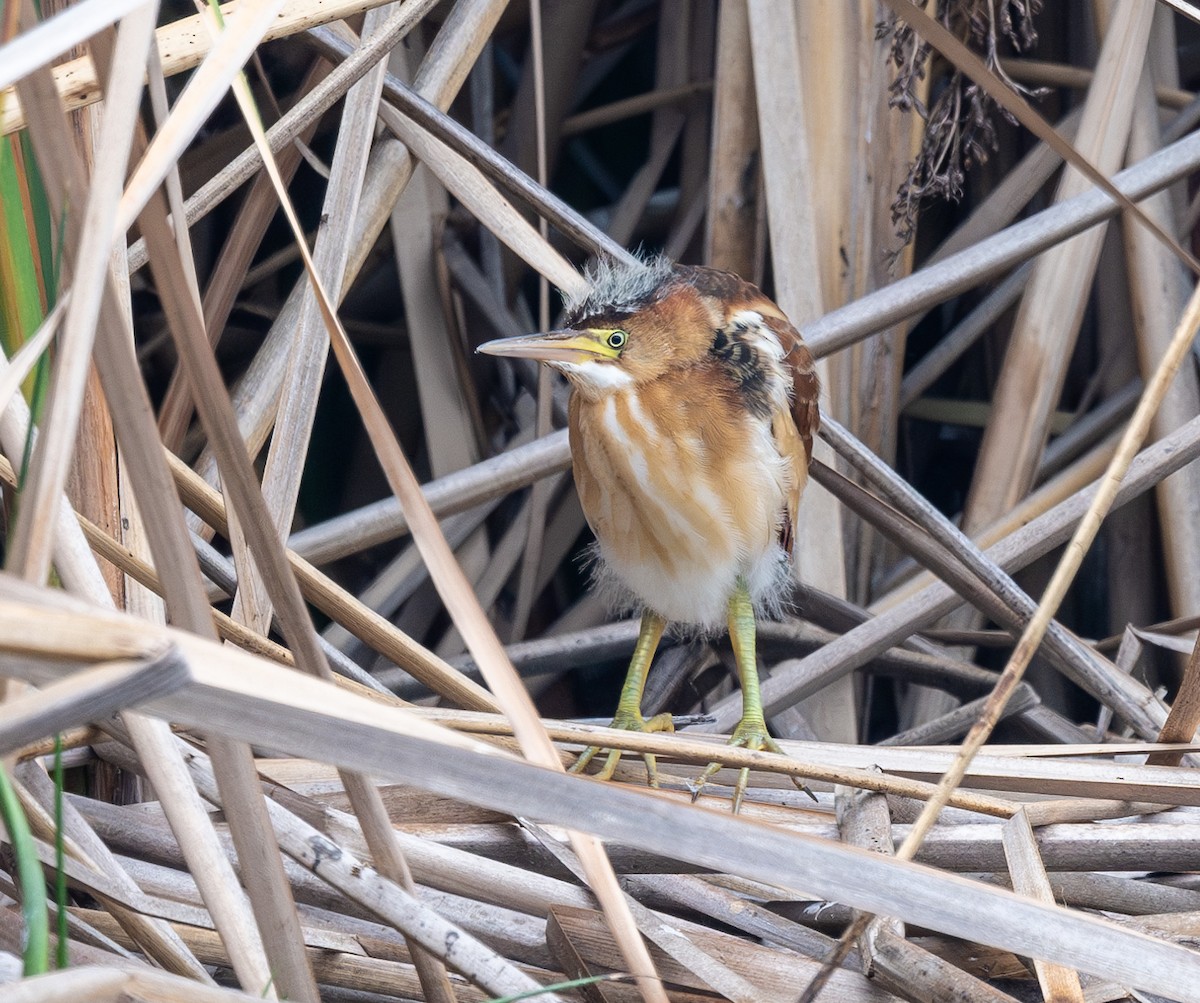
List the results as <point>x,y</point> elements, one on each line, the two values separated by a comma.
<point>749,734</point>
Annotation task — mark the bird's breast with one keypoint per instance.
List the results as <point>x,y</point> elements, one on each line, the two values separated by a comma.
<point>684,489</point>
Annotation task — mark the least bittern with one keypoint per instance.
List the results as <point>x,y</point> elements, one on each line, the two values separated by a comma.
<point>692,414</point>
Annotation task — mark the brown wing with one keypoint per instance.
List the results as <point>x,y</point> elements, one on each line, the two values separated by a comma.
<point>794,432</point>
<point>806,388</point>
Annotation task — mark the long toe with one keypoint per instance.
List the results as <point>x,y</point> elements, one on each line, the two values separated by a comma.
<point>626,722</point>
<point>772,746</point>
<point>610,765</point>
<point>749,734</point>
<point>739,789</point>
<point>651,769</point>
<point>585,757</point>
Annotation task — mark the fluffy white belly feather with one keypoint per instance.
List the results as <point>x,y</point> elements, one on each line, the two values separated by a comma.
<point>668,535</point>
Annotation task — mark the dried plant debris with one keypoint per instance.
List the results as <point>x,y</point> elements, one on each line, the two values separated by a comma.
<point>960,130</point>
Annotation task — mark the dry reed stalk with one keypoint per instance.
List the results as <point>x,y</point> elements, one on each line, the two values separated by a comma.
<point>852,128</point>
<point>452,586</point>
<point>415,223</point>
<point>306,364</point>
<point>537,504</point>
<point>569,648</point>
<point>1040,72</point>
<point>106,985</point>
<point>569,26</point>
<point>708,838</point>
<point>1134,703</point>
<point>306,112</point>
<point>910,535</point>
<point>1076,477</point>
<point>184,43</point>
<point>510,554</point>
<point>1104,420</point>
<point>1119,845</point>
<point>79,570</point>
<point>405,575</point>
<point>1032,378</point>
<point>1082,538</point>
<point>966,268</point>
<point>732,238</point>
<point>969,330</point>
<point>31,542</point>
<point>667,126</point>
<point>1014,605</point>
<point>413,105</point>
<point>445,868</point>
<point>489,480</point>
<point>93,480</point>
<point>1129,534</point>
<point>702,965</point>
<point>389,900</point>
<point>695,67</point>
<point>152,935</point>
<point>343,607</point>
<point>618,111</point>
<point>389,168</point>
<point>955,723</point>
<point>468,858</point>
<point>1065,571</point>
<point>259,856</point>
<point>710,897</point>
<point>231,48</point>
<point>44,42</point>
<point>103,690</point>
<point>851,765</point>
<point>1184,716</point>
<point>580,942</point>
<point>885,955</point>
<point>245,235</point>
<point>337,965</point>
<point>890,141</point>
<point>786,136</point>
<point>263,874</point>
<point>1014,104</point>
<point>1158,288</point>
<point>446,408</point>
<point>1058,983</point>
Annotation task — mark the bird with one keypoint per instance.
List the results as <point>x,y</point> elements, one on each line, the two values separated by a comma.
<point>693,406</point>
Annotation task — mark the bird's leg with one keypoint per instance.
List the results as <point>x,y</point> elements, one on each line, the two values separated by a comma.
<point>751,731</point>
<point>629,707</point>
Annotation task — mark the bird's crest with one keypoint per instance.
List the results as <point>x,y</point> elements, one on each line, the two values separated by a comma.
<point>619,287</point>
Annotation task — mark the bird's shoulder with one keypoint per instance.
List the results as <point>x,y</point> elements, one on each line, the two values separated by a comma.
<point>761,350</point>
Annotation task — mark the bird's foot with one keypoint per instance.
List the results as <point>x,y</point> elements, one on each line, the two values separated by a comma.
<point>626,721</point>
<point>751,733</point>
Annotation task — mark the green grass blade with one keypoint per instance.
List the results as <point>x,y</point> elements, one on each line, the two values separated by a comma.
<point>22,305</point>
<point>29,879</point>
<point>560,987</point>
<point>61,959</point>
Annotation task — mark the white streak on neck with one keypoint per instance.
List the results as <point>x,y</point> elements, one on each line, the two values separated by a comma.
<point>596,378</point>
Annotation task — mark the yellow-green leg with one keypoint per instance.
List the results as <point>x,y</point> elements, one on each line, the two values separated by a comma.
<point>751,731</point>
<point>629,707</point>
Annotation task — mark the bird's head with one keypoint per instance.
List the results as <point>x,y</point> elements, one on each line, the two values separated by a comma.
<point>635,324</point>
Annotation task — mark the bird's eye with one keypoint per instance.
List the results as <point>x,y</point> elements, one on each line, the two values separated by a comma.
<point>616,339</point>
